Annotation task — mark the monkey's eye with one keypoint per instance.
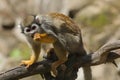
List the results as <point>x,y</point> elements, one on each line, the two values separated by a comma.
<point>34,27</point>
<point>27,30</point>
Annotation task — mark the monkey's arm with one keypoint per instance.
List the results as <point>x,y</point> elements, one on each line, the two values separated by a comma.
<point>35,54</point>
<point>49,30</point>
<point>59,49</point>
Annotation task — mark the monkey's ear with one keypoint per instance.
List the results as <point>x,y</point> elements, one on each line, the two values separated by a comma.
<point>20,27</point>
<point>37,18</point>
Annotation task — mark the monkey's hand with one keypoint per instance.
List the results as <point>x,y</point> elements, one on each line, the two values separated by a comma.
<point>44,37</point>
<point>38,36</point>
<point>28,62</point>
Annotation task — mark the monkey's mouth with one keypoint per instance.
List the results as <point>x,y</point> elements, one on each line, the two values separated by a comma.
<point>32,35</point>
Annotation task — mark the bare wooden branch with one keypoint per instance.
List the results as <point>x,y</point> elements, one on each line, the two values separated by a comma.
<point>21,71</point>
<point>102,55</point>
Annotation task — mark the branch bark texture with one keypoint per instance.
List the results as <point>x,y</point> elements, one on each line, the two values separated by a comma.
<point>102,55</point>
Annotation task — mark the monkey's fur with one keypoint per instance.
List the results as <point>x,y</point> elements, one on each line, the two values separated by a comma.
<point>55,28</point>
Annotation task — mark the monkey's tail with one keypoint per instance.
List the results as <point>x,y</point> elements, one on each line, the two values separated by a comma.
<point>87,73</point>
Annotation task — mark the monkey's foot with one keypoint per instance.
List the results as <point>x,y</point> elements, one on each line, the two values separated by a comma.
<point>27,63</point>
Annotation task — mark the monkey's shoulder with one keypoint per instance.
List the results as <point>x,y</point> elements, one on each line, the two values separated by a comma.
<point>64,22</point>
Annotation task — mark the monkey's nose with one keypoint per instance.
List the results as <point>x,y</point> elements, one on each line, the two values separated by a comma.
<point>32,35</point>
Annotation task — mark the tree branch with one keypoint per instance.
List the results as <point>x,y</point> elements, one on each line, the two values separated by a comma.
<point>102,55</point>
<point>21,71</point>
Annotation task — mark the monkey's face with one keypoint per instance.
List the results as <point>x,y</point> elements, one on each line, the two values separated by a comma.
<point>30,25</point>
<point>35,24</point>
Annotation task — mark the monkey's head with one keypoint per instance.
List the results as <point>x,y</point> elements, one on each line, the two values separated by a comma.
<point>30,25</point>
<point>37,24</point>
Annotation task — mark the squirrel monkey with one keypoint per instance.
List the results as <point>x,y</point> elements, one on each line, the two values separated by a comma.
<point>54,28</point>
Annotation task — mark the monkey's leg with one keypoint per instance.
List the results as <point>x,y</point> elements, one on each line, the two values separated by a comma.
<point>33,59</point>
<point>36,47</point>
<point>62,57</point>
<point>56,64</point>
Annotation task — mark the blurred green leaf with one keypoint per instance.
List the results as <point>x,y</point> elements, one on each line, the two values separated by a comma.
<point>25,51</point>
<point>15,54</point>
<point>21,52</point>
<point>99,20</point>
